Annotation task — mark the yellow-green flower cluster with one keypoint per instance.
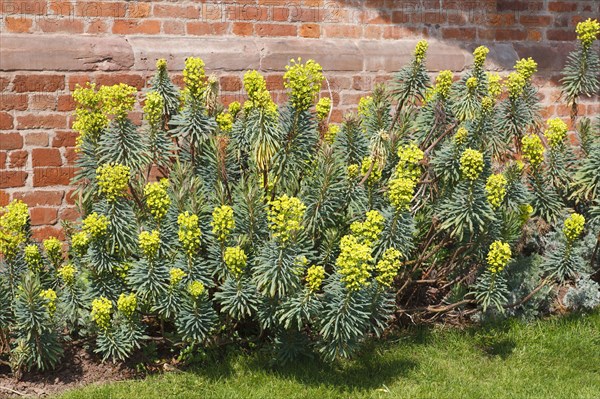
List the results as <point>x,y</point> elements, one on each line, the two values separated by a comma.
<point>149,243</point>
<point>101,312</point>
<point>323,108</point>
<point>234,108</point>
<point>526,67</point>
<point>471,84</point>
<point>573,226</point>
<point>122,270</point>
<point>223,222</point>
<point>95,225</point>
<point>332,131</point>
<point>401,191</point>
<point>364,106</point>
<point>13,224</point>
<point>421,51</point>
<point>285,217</point>
<point>587,31</point>
<point>556,132</point>
<point>175,276</point>
<point>353,171</point>
<point>235,259</point>
<point>487,104</point>
<point>498,256</point>
<point>479,56</point>
<point>33,257</point>
<point>194,77</point>
<point>515,84</point>
<point>225,122</point>
<point>354,263</point>
<point>53,249</point>
<point>443,83</point>
<point>387,267</point>
<point>189,232</point>
<point>533,149</point>
<point>376,171</point>
<point>409,162</point>
<point>525,211</point>
<point>157,198</point>
<point>304,81</point>
<point>370,230</point>
<point>258,95</point>
<point>67,273</point>
<point>314,277</point>
<point>89,116</point>
<point>494,85</point>
<point>118,100</point>
<point>153,108</point>
<point>50,296</point>
<point>496,189</point>
<point>195,289</point>
<point>80,242</point>
<point>127,304</point>
<point>461,135</point>
<point>112,179</point>
<point>471,164</point>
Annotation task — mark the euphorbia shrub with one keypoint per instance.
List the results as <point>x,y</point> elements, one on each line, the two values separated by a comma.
<point>271,224</point>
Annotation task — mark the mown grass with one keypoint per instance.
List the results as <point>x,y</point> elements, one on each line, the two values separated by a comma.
<point>555,358</point>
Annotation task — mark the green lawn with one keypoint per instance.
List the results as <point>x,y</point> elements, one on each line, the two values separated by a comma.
<point>556,358</point>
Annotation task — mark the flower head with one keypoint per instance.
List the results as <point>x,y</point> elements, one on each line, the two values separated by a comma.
<point>80,242</point>
<point>587,32</point>
<point>515,84</point>
<point>461,135</point>
<point>223,222</point>
<point>443,83</point>
<point>127,304</point>
<point>113,179</point>
<point>375,174</point>
<point>234,108</point>
<point>314,277</point>
<point>117,100</point>
<point>33,257</point>
<point>95,225</point>
<point>364,106</point>
<point>556,132</point>
<point>401,191</point>
<point>533,149</point>
<point>471,164</point>
<point>67,274</point>
<point>472,84</point>
<point>194,77</point>
<point>353,171</point>
<point>235,260</point>
<point>149,243</point>
<point>304,81</point>
<point>387,267</point>
<point>574,225</point>
<point>421,51</point>
<point>13,226</point>
<point>153,108</point>
<point>370,230</point>
<point>189,232</point>
<point>89,116</point>
<point>225,122</point>
<point>354,263</point>
<point>496,189</point>
<point>53,249</point>
<point>176,275</point>
<point>494,85</point>
<point>498,256</point>
<point>479,56</point>
<point>409,162</point>
<point>526,67</point>
<point>195,289</point>
<point>157,198</point>
<point>323,108</point>
<point>285,217</point>
<point>332,132</point>
<point>525,212</point>
<point>101,312</point>
<point>50,296</point>
<point>258,95</point>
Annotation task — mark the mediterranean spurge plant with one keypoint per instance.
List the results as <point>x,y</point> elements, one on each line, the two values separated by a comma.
<point>262,224</point>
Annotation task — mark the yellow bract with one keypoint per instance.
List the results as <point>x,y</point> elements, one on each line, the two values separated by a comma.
<point>587,31</point>
<point>189,232</point>
<point>314,277</point>
<point>387,267</point>
<point>285,217</point>
<point>498,256</point>
<point>235,259</point>
<point>323,108</point>
<point>370,230</point>
<point>101,312</point>
<point>354,263</point>
<point>533,149</point>
<point>157,198</point>
<point>304,81</point>
<point>471,164</point>
<point>421,51</point>
<point>95,225</point>
<point>556,132</point>
<point>113,179</point>
<point>479,56</point>
<point>149,243</point>
<point>574,225</point>
<point>195,289</point>
<point>496,189</point>
<point>223,222</point>
<point>127,304</point>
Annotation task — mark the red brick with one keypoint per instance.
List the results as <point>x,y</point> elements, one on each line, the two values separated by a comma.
<point>310,30</point>
<point>37,121</point>
<point>536,20</point>
<point>62,8</point>
<point>310,15</point>
<point>138,9</point>
<point>65,103</point>
<point>71,155</point>
<point>38,197</point>
<point>4,198</point>
<point>38,82</point>
<point>3,160</point>
<point>43,102</point>
<point>458,33</point>
<point>65,138</point>
<point>46,157</point>
<point>346,31</point>
<point>52,176</point>
<point>373,32</point>
<point>36,139</point>
<point>12,178</point>
<point>43,232</point>
<point>18,159</point>
<point>34,7</point>
<point>280,14</point>
<point>71,197</point>
<point>230,83</point>
<point>10,141</point>
<point>207,28</point>
<point>9,102</point>
<point>274,82</point>
<point>510,34</point>
<point>110,79</point>
<point>176,11</point>
<point>101,9</point>
<point>4,82</point>
<point>70,213</point>
<point>80,80</point>
<point>18,24</point>
<point>243,28</point>
<point>275,30</point>
<point>400,17</point>
<point>562,6</point>
<point>97,26</point>
<point>135,26</point>
<point>561,35</point>
<point>173,28</point>
<point>43,216</point>
<point>61,25</point>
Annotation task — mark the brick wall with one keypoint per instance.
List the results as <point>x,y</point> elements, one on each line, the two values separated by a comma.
<point>47,47</point>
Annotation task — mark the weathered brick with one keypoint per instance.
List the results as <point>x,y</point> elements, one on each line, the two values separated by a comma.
<point>36,139</point>
<point>310,30</point>
<point>39,197</point>
<point>230,83</point>
<point>42,102</point>
<point>37,82</point>
<point>10,141</point>
<point>3,156</point>
<point>206,28</point>
<point>40,233</point>
<point>60,25</point>
<point>562,6</point>
<point>37,121</point>
<point>275,30</point>
<point>52,176</point>
<point>43,216</point>
<point>46,157</point>
<point>243,28</point>
<point>176,11</point>
<point>9,102</point>
<point>18,159</point>
<point>136,26</point>
<point>12,178</point>
<point>65,138</point>
<point>18,24</point>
